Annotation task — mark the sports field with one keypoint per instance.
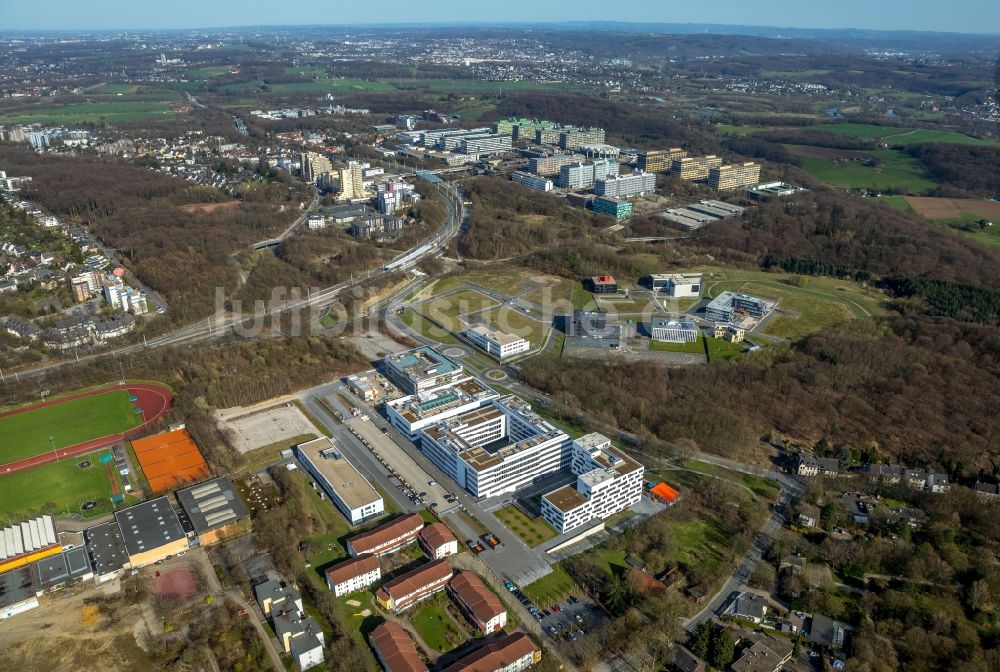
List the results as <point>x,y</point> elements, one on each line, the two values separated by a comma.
<point>58,487</point>
<point>65,424</point>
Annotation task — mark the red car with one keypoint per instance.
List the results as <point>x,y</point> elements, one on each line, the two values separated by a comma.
<point>556,608</point>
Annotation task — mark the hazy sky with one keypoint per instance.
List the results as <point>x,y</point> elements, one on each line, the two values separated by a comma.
<point>952,15</point>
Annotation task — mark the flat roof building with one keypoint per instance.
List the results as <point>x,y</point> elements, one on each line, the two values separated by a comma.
<point>674,331</point>
<point>478,603</point>
<point>676,285</point>
<point>694,168</point>
<point>107,549</point>
<point>603,284</point>
<point>659,160</point>
<point>536,182</point>
<point>17,592</point>
<point>607,482</point>
<point>395,650</point>
<point>421,369</point>
<point>151,531</point>
<point>497,343</point>
<point>615,207</point>
<point>415,585</point>
<point>388,537</point>
<point>574,138</point>
<point>28,541</point>
<point>625,186</point>
<point>734,176</point>
<point>496,448</point>
<point>57,570</point>
<point>348,490</point>
<point>550,165</point>
<point>214,509</point>
<point>732,307</point>
<point>412,413</point>
<point>511,653</point>
<point>762,192</point>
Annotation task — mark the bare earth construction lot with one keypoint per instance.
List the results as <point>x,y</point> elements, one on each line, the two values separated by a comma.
<point>948,208</point>
<point>256,429</point>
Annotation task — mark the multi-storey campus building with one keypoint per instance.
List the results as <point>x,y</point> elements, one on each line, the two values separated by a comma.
<point>497,343</point>
<point>694,168</point>
<point>724,178</point>
<point>349,491</point>
<point>659,160</point>
<point>734,306</point>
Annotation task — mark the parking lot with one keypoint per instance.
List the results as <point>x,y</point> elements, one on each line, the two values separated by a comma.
<point>566,620</point>
<point>412,477</point>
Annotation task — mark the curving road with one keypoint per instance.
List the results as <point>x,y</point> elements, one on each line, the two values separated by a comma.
<point>220,325</point>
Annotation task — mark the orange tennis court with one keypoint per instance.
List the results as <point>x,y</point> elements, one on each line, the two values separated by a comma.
<point>170,460</point>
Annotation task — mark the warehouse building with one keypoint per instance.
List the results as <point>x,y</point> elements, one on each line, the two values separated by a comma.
<point>353,574</point>
<point>17,592</point>
<point>497,343</point>
<point>386,538</point>
<point>422,368</point>
<point>511,653</point>
<point>106,549</point>
<point>151,531</point>
<point>27,542</point>
<point>214,509</point>
<point>58,570</point>
<point>607,482</point>
<point>347,489</point>
<point>478,603</point>
<point>438,541</point>
<point>395,650</point>
<point>418,584</point>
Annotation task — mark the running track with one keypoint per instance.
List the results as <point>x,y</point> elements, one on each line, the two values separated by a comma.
<point>154,400</point>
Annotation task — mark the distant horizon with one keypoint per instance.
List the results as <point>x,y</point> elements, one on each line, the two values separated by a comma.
<point>966,17</point>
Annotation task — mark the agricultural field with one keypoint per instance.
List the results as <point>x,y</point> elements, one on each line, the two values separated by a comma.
<point>109,110</point>
<point>65,424</point>
<point>896,170</point>
<point>446,310</point>
<point>900,136</point>
<point>513,321</point>
<point>58,487</point>
<point>950,208</point>
<point>531,531</point>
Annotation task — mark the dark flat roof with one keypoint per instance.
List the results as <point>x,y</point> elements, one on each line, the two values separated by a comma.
<point>149,525</point>
<point>66,566</point>
<point>16,586</point>
<point>212,504</point>
<point>106,547</point>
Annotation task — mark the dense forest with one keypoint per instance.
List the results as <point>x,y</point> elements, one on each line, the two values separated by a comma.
<point>509,220</point>
<point>835,230</point>
<point>919,390</point>
<point>185,255</point>
<point>963,170</point>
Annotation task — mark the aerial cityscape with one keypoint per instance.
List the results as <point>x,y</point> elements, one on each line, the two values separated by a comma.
<point>549,337</point>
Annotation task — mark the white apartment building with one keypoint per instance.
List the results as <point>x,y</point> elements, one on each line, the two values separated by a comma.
<point>353,574</point>
<point>536,182</point>
<point>625,186</point>
<point>497,448</point>
<point>607,482</point>
<point>583,175</point>
<point>497,343</point>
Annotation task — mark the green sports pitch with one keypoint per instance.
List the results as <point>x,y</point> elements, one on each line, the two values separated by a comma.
<point>59,487</point>
<point>65,424</point>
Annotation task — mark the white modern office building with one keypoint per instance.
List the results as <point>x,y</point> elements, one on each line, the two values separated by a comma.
<point>420,369</point>
<point>735,306</point>
<point>625,186</point>
<point>412,413</point>
<point>497,343</point>
<point>536,182</point>
<point>496,448</point>
<point>677,285</point>
<point>607,482</point>
<point>347,488</point>
<point>674,331</point>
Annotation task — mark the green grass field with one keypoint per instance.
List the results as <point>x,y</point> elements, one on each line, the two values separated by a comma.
<point>551,588</point>
<point>900,136</point>
<point>426,328</point>
<point>67,423</point>
<point>435,626</point>
<point>898,170</point>
<point>531,531</point>
<point>897,202</point>
<point>57,487</point>
<point>719,349</point>
<point>961,225</point>
<point>110,111</point>
<point>513,321</point>
<point>822,302</point>
<point>447,309</point>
